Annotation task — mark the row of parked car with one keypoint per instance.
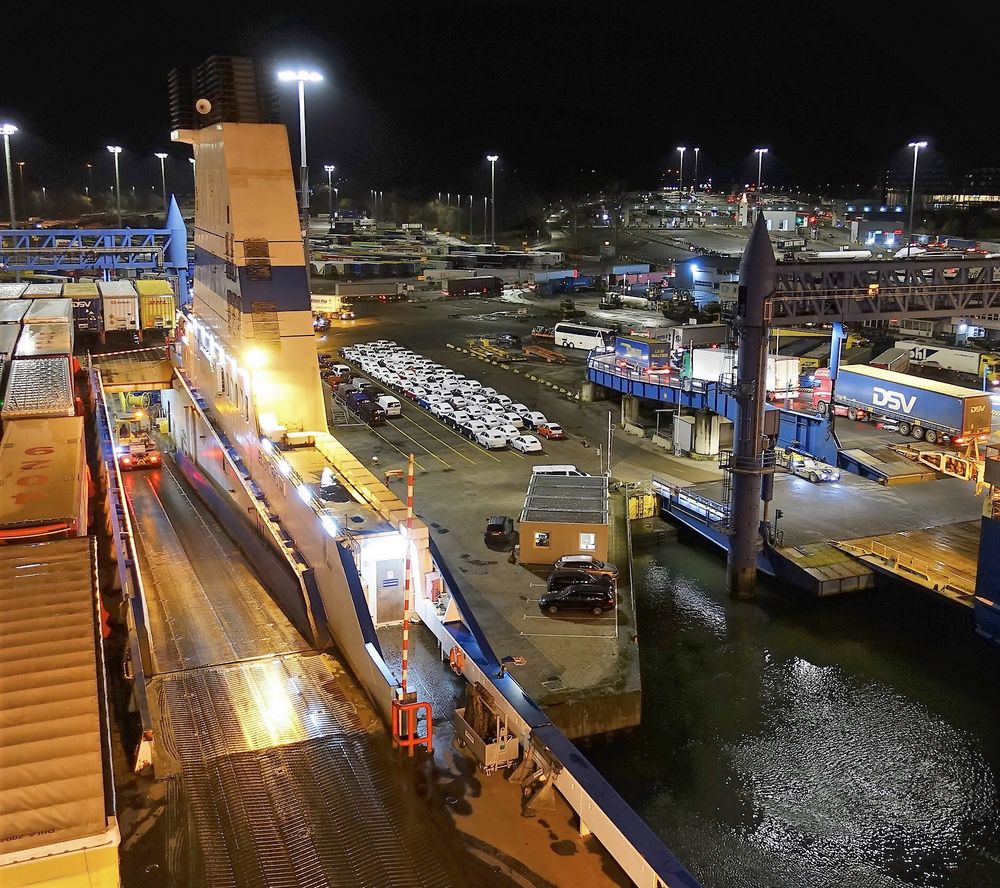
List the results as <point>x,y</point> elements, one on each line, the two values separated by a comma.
<point>580,583</point>
<point>481,413</point>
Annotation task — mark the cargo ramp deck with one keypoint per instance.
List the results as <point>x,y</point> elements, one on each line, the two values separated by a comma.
<point>277,771</point>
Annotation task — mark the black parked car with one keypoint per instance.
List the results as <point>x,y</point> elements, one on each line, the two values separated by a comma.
<point>507,340</point>
<point>560,578</point>
<point>596,598</point>
<point>499,531</point>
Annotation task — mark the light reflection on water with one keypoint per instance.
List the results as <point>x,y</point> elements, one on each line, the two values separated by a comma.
<point>800,744</point>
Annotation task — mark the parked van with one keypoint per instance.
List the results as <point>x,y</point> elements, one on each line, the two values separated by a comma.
<point>371,413</point>
<point>390,405</point>
<point>568,471</point>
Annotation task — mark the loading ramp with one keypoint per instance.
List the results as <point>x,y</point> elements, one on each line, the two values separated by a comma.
<point>277,769</point>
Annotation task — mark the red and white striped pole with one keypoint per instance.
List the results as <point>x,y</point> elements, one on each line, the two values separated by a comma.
<point>407,575</point>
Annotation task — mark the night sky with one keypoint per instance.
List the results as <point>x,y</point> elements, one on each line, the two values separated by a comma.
<point>417,92</point>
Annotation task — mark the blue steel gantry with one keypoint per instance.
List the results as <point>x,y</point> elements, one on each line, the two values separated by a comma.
<point>100,250</point>
<point>830,293</point>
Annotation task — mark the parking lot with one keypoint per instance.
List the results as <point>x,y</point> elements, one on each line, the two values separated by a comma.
<point>570,657</point>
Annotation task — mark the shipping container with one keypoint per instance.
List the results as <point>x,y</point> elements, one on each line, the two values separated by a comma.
<point>969,363</point>
<point>59,825</point>
<point>538,277</point>
<point>463,288</point>
<point>156,312</point>
<point>697,335</point>
<point>720,365</point>
<point>42,291</point>
<point>633,268</point>
<point>8,341</point>
<point>120,312</point>
<point>13,312</point>
<point>37,388</point>
<point>642,353</point>
<point>12,291</point>
<point>47,457</point>
<point>88,316</point>
<point>44,341</point>
<point>50,311</point>
<point>380,288</point>
<point>924,408</point>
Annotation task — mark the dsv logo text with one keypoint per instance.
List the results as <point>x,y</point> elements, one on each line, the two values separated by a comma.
<point>882,397</point>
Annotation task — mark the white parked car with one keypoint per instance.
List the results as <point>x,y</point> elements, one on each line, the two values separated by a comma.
<point>498,409</point>
<point>474,427</point>
<point>514,419</point>
<point>442,409</point>
<point>491,439</point>
<point>533,419</point>
<point>492,420</point>
<point>526,444</point>
<point>458,418</point>
<point>503,400</point>
<point>519,409</point>
<point>508,431</point>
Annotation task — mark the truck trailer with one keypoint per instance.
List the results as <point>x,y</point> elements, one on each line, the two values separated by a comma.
<point>969,363</point>
<point>925,409</point>
<point>720,365</point>
<point>466,288</point>
<point>637,353</point>
<point>697,335</point>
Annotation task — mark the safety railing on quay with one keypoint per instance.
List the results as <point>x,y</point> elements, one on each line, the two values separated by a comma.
<point>693,503</point>
<point>140,641</point>
<point>625,835</point>
<point>598,360</point>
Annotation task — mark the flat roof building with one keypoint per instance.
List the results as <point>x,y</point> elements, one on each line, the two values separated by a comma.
<point>564,516</point>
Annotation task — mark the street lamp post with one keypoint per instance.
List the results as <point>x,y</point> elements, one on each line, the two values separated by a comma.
<point>470,217</point>
<point>696,150</point>
<point>680,175</point>
<point>486,218</point>
<point>163,177</point>
<point>24,202</point>
<point>760,152</point>
<point>329,167</point>
<point>302,77</point>
<point>8,129</point>
<point>493,158</point>
<point>115,151</point>
<point>90,181</point>
<point>916,146</point>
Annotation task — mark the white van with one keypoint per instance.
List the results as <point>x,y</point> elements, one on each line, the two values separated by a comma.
<point>390,405</point>
<point>559,470</point>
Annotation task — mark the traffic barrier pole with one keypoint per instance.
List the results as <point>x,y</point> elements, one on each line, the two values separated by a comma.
<point>407,575</point>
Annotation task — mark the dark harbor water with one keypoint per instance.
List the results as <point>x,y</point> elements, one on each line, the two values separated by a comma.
<point>789,743</point>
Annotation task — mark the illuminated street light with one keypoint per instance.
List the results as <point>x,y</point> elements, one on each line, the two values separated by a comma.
<point>680,174</point>
<point>115,151</point>
<point>760,152</point>
<point>8,129</point>
<point>90,179</point>
<point>163,177</point>
<point>329,167</point>
<point>302,78</point>
<point>493,158</point>
<point>916,146</point>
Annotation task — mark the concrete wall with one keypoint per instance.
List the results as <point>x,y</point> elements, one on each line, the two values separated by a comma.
<point>564,539</point>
